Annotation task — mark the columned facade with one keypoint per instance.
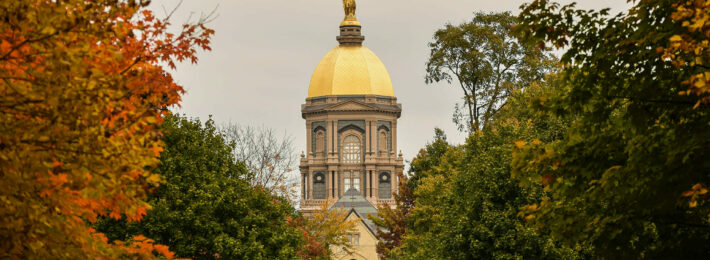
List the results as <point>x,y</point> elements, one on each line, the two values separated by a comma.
<point>351,116</point>
<point>351,143</point>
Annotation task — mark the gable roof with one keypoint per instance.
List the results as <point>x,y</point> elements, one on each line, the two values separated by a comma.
<point>355,203</point>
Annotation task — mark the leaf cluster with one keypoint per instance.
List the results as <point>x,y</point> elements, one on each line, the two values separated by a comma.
<point>635,146</point>
<point>82,95</point>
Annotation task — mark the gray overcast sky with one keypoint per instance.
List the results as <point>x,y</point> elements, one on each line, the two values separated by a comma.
<point>264,52</point>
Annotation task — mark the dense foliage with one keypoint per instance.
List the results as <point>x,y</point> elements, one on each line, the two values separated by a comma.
<point>628,175</point>
<point>206,208</point>
<point>466,205</point>
<point>608,159</point>
<point>82,93</point>
<point>391,224</point>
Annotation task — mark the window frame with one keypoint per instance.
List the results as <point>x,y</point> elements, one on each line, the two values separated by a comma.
<point>351,152</point>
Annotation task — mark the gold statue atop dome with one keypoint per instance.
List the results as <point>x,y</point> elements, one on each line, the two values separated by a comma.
<point>349,6</point>
<point>350,19</point>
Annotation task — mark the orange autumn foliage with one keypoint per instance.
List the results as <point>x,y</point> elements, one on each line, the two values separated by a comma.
<point>82,94</point>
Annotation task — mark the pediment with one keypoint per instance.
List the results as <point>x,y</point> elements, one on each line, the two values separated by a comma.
<point>350,105</point>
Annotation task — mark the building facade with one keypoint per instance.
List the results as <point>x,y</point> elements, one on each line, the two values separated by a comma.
<point>351,125</point>
<point>351,116</point>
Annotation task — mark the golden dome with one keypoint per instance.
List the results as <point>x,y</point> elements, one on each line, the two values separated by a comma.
<point>350,70</point>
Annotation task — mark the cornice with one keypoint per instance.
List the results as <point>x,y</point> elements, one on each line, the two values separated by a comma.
<point>350,106</point>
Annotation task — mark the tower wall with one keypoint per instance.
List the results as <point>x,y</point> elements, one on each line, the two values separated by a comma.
<point>329,164</point>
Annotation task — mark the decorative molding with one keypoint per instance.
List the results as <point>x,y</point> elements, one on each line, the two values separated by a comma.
<point>358,125</point>
<point>346,98</point>
<point>351,105</point>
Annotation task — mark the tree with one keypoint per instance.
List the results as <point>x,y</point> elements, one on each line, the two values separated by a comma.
<point>207,208</point>
<point>391,224</point>
<point>82,94</point>
<point>467,205</point>
<point>326,229</point>
<point>488,62</point>
<point>618,176</point>
<point>270,158</point>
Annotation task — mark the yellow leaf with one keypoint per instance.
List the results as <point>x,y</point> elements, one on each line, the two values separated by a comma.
<point>153,178</point>
<point>519,144</point>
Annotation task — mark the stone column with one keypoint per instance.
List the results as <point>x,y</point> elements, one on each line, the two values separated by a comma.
<point>367,139</point>
<point>371,184</point>
<point>363,187</point>
<point>327,184</point>
<point>310,185</point>
<point>393,153</point>
<point>309,146</point>
<point>329,137</point>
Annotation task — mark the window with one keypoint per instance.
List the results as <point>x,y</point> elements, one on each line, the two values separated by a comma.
<point>352,180</point>
<point>351,149</point>
<point>319,185</point>
<point>385,186</point>
<point>354,239</point>
<point>382,141</point>
<point>320,142</point>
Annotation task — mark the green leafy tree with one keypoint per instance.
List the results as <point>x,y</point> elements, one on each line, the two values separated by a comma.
<point>488,62</point>
<point>467,205</point>
<point>206,207</point>
<point>391,224</point>
<point>618,177</point>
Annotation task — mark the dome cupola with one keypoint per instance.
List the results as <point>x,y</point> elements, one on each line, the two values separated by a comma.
<point>350,68</point>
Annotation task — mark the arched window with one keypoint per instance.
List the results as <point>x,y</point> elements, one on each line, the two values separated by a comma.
<point>385,185</point>
<point>320,142</point>
<point>319,186</point>
<point>382,141</point>
<point>351,150</point>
